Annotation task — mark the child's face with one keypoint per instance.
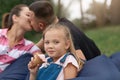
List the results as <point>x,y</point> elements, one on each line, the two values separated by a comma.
<point>55,43</point>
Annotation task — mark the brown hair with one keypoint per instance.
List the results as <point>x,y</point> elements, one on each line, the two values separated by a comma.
<point>44,11</point>
<point>15,11</point>
<point>5,20</point>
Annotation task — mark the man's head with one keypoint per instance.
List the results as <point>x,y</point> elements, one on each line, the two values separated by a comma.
<point>43,15</point>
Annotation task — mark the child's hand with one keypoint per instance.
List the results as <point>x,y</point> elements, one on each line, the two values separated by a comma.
<point>32,68</point>
<point>36,60</point>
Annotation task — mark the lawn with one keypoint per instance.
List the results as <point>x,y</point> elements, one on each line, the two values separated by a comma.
<point>107,38</point>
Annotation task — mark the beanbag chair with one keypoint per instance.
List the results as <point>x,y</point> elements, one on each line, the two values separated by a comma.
<point>99,68</point>
<point>18,70</point>
<point>115,57</point>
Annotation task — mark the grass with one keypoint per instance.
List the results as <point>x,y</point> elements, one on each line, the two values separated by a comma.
<point>107,39</point>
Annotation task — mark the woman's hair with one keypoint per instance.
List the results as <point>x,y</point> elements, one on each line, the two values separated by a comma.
<point>43,11</point>
<point>66,32</point>
<point>5,20</point>
<point>15,11</point>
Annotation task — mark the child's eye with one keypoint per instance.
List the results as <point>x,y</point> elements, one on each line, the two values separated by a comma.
<point>56,42</point>
<point>46,42</point>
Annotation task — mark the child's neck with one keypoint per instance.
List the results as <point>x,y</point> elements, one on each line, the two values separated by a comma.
<point>56,58</point>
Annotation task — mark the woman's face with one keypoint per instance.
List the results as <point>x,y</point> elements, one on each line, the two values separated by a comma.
<point>23,20</point>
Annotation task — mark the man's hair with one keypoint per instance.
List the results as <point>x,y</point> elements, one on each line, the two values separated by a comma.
<point>43,10</point>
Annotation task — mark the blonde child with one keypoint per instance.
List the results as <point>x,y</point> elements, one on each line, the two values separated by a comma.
<point>62,63</point>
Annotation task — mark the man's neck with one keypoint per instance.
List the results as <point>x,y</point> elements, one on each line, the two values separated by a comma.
<point>56,20</point>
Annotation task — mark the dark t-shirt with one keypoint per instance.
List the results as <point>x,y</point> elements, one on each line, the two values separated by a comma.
<point>81,41</point>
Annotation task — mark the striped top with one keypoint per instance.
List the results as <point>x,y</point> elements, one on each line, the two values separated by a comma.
<point>8,55</point>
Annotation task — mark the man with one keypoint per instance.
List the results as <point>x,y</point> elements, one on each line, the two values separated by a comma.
<point>43,16</point>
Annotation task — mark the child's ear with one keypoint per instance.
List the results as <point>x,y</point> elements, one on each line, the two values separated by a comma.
<point>67,44</point>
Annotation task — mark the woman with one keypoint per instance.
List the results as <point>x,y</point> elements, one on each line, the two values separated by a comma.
<point>12,41</point>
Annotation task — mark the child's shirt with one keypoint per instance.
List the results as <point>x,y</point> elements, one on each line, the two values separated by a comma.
<point>69,59</point>
<point>8,55</point>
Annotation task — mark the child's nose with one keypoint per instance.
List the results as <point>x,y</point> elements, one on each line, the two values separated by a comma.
<point>50,45</point>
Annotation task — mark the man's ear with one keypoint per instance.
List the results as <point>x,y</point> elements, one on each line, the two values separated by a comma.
<point>41,25</point>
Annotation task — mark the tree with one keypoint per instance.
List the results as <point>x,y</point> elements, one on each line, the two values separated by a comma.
<point>115,12</point>
<point>97,11</point>
<point>81,10</point>
<point>60,10</point>
<point>100,11</point>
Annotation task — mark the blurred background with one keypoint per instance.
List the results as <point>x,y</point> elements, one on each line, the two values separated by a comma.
<point>99,19</point>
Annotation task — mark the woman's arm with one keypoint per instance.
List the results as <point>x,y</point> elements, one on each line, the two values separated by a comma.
<point>80,54</point>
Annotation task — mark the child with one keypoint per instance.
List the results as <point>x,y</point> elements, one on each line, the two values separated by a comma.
<point>61,64</point>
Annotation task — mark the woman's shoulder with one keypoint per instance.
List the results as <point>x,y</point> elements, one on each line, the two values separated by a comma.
<point>27,42</point>
<point>30,43</point>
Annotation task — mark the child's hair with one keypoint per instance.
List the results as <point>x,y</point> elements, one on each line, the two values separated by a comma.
<point>66,32</point>
<point>68,36</point>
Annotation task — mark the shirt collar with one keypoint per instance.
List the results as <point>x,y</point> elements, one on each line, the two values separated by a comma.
<point>4,33</point>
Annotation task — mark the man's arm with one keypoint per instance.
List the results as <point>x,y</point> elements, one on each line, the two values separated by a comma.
<point>80,54</point>
<point>40,44</point>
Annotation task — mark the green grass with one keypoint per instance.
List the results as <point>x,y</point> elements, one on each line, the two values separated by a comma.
<point>107,38</point>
